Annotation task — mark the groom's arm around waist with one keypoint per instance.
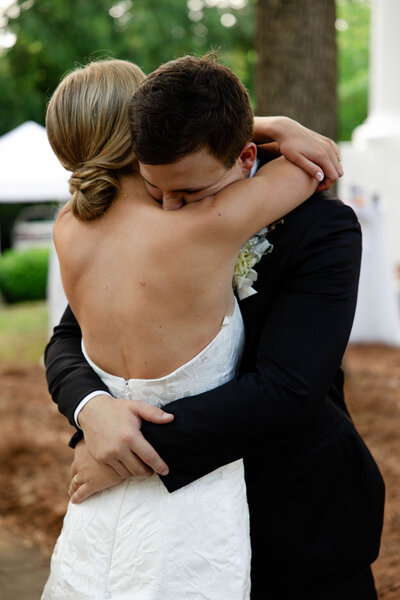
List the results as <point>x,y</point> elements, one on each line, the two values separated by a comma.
<point>69,377</point>
<point>302,341</point>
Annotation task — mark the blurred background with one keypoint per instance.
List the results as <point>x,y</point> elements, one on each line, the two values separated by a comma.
<point>334,66</point>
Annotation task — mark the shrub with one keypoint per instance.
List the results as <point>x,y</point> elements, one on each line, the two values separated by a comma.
<point>23,274</point>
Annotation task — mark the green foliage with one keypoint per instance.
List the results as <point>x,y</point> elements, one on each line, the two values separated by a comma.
<point>54,37</point>
<point>23,274</point>
<point>353,46</point>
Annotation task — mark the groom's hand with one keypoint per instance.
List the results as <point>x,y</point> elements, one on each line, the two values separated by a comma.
<point>112,434</point>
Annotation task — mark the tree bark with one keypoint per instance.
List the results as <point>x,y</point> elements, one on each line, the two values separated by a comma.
<point>296,68</point>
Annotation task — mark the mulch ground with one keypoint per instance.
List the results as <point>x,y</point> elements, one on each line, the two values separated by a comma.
<point>35,458</point>
<point>373,396</point>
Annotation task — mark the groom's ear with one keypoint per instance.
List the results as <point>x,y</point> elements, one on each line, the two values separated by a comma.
<point>247,157</point>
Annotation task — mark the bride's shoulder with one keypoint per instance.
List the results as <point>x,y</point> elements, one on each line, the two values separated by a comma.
<point>62,223</point>
<point>65,225</point>
<point>70,236</point>
<point>66,210</point>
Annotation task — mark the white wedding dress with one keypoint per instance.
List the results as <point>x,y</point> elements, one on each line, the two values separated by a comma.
<point>136,541</point>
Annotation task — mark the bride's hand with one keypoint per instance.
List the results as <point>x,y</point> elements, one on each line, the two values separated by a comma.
<point>316,154</point>
<point>89,477</point>
<point>112,433</point>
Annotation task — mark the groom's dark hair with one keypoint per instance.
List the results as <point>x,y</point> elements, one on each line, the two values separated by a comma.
<point>189,104</point>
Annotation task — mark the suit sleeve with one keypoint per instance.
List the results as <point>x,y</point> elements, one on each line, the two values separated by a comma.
<point>302,343</point>
<point>69,377</point>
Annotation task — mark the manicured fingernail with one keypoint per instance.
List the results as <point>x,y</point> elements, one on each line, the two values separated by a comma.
<point>319,176</point>
<point>166,415</point>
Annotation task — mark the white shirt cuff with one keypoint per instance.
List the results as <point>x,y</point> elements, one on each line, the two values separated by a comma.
<point>85,400</point>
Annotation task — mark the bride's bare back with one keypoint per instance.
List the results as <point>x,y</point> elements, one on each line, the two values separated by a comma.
<point>148,293</point>
<point>150,287</point>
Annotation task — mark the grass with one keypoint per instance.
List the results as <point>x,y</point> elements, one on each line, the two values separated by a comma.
<point>23,332</point>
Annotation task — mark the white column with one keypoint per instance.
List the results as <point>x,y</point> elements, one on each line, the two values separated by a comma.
<point>383,123</point>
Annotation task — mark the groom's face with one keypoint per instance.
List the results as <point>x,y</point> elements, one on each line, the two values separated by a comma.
<point>194,177</point>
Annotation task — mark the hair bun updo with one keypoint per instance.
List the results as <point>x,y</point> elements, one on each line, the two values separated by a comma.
<point>88,128</point>
<point>92,190</point>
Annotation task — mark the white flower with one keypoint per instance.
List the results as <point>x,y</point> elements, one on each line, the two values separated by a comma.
<point>251,253</point>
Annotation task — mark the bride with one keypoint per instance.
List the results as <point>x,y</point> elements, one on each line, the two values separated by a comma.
<point>152,292</point>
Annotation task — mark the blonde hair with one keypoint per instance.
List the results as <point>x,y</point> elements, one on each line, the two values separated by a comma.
<point>88,128</point>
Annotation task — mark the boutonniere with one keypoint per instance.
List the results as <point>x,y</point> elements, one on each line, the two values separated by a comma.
<point>250,254</point>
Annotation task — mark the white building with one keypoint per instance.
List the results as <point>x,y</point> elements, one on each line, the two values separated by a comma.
<point>370,184</point>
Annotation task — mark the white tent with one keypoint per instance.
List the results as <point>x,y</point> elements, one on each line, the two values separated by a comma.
<point>29,170</point>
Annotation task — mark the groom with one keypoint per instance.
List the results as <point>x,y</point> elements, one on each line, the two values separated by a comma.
<point>315,493</point>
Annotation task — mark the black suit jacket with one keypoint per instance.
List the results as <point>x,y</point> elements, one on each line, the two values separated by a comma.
<point>315,493</point>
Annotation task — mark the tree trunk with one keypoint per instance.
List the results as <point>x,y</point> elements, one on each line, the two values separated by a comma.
<point>296,69</point>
